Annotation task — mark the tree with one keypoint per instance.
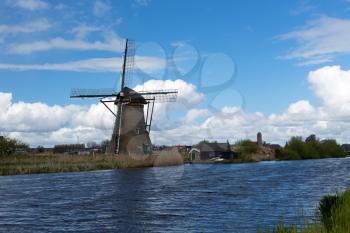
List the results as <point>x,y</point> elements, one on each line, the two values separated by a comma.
<point>40,149</point>
<point>104,145</point>
<point>247,147</point>
<point>9,146</point>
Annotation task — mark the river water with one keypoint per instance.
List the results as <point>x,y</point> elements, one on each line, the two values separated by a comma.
<point>188,198</point>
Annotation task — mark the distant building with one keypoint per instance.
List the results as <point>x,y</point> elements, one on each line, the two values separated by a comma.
<point>38,150</point>
<point>273,146</point>
<point>259,139</point>
<point>311,138</point>
<point>69,148</point>
<point>209,150</point>
<point>161,148</point>
<point>181,148</point>
<point>346,148</point>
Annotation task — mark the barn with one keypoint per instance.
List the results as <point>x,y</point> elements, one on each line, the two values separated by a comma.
<point>209,150</point>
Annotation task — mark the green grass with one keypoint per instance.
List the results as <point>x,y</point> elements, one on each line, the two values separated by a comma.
<point>333,217</point>
<point>47,163</point>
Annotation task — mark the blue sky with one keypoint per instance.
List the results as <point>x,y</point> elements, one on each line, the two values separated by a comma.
<point>266,48</point>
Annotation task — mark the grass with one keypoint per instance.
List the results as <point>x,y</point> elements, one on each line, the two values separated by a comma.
<point>333,217</point>
<point>47,163</point>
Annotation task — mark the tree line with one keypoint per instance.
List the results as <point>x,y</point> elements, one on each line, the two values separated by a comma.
<point>296,149</point>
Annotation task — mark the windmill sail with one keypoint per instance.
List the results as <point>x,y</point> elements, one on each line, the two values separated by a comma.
<point>130,61</point>
<point>114,144</point>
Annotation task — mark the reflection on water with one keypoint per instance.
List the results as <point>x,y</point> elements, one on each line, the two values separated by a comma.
<point>189,198</point>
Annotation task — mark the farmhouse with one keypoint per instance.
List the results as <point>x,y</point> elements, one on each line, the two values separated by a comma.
<point>346,148</point>
<point>209,150</point>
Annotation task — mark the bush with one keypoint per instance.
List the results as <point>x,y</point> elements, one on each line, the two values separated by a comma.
<point>287,154</point>
<point>296,148</point>
<point>246,147</point>
<point>330,148</point>
<point>335,212</point>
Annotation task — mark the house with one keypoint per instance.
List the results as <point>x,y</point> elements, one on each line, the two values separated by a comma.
<point>346,148</point>
<point>273,146</point>
<point>311,138</point>
<point>69,148</point>
<point>209,150</point>
<point>181,148</point>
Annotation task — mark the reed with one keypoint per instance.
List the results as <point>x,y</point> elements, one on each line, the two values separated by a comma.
<point>47,163</point>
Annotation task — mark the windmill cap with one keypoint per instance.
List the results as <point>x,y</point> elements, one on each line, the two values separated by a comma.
<point>132,95</point>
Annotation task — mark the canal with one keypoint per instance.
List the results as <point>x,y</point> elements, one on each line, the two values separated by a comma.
<point>189,198</point>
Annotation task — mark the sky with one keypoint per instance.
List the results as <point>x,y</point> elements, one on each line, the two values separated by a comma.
<point>279,67</point>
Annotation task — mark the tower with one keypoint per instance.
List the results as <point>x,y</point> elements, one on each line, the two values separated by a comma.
<point>259,139</point>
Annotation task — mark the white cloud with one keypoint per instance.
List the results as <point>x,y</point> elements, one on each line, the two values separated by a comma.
<point>28,27</point>
<point>100,8</point>
<point>331,85</point>
<point>89,65</point>
<point>82,31</point>
<point>112,43</point>
<point>187,93</point>
<point>141,2</point>
<point>300,107</point>
<point>193,114</point>
<point>41,124</point>
<point>319,41</point>
<point>29,4</point>
<point>178,123</point>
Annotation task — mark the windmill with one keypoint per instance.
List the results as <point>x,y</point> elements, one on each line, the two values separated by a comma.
<point>131,127</point>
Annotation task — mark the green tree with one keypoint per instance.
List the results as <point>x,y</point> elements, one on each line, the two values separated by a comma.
<point>9,146</point>
<point>104,145</point>
<point>246,147</point>
<point>330,148</point>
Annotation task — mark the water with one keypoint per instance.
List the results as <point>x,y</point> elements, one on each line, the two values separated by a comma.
<point>189,198</point>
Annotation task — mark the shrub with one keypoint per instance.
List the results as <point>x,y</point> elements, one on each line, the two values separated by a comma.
<point>296,148</point>
<point>335,212</point>
<point>246,147</point>
<point>287,154</point>
<point>331,148</point>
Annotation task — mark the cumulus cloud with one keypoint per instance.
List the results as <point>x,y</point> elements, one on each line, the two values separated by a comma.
<point>184,122</point>
<point>331,85</point>
<point>41,124</point>
<point>328,120</point>
<point>187,92</point>
<point>319,41</point>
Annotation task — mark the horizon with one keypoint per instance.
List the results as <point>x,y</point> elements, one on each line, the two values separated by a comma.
<point>240,67</point>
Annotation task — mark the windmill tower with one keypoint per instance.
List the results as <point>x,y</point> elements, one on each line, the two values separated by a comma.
<point>131,127</point>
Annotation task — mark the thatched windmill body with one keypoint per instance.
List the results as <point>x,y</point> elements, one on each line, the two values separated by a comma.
<point>131,127</point>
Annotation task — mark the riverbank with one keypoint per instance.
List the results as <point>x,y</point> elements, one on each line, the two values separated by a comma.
<point>49,163</point>
<point>332,216</point>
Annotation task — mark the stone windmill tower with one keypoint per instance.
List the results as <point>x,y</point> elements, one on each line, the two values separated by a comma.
<point>131,128</point>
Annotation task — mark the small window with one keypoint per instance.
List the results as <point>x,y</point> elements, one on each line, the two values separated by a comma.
<point>137,131</point>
